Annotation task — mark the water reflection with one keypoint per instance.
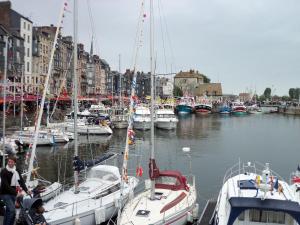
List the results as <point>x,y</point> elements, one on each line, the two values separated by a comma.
<point>216,142</point>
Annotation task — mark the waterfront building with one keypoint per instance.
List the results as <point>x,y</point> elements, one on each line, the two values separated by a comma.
<point>19,29</point>
<point>143,84</point>
<point>245,97</point>
<point>67,53</point>
<point>83,58</point>
<point>15,59</point>
<point>188,81</point>
<point>99,76</point>
<point>209,89</point>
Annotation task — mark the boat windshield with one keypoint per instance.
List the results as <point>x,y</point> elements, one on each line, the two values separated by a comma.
<point>105,175</point>
<point>165,180</point>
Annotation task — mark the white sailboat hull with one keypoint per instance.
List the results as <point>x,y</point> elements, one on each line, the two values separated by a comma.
<point>142,125</point>
<point>90,129</point>
<point>89,209</point>
<point>166,125</point>
<point>176,215</point>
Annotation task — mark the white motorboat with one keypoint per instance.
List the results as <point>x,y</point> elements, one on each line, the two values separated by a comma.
<point>96,201</point>
<point>119,118</point>
<point>141,118</point>
<point>251,196</point>
<point>254,109</point>
<point>26,137</point>
<point>101,109</point>
<point>165,119</point>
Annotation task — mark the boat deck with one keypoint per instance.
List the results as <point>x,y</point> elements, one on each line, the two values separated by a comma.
<point>207,213</point>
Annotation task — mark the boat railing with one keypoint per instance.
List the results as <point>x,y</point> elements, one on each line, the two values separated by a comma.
<point>74,205</point>
<point>240,168</point>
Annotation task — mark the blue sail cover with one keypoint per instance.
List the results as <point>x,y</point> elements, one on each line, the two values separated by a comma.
<point>79,165</point>
<point>240,204</point>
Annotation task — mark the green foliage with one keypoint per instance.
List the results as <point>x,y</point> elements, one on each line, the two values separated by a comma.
<point>206,79</point>
<point>262,98</point>
<point>177,91</point>
<point>285,98</point>
<point>294,93</point>
<point>267,93</point>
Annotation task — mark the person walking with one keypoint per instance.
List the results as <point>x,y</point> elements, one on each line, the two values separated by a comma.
<point>11,184</point>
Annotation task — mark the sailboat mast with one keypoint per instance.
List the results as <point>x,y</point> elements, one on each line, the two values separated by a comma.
<point>120,83</point>
<point>75,93</point>
<point>4,98</point>
<point>152,94</point>
<point>22,100</point>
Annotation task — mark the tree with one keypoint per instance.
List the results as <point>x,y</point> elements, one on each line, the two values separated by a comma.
<point>262,98</point>
<point>285,98</point>
<point>267,93</point>
<point>297,93</point>
<point>177,91</point>
<point>292,93</point>
<point>206,79</point>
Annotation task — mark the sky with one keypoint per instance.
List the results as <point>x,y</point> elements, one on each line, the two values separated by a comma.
<point>247,45</point>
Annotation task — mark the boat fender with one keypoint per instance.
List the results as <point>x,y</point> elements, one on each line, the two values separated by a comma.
<point>189,217</point>
<point>196,211</point>
<point>77,221</point>
<point>100,215</point>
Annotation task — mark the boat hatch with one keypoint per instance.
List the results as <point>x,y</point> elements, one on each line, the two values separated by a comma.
<point>83,188</point>
<point>247,184</point>
<point>144,213</point>
<point>61,205</point>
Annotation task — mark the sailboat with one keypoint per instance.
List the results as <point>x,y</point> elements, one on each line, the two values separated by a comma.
<point>168,198</point>
<point>93,200</point>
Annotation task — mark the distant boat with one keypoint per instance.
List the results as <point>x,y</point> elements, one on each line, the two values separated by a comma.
<point>185,105</point>
<point>141,118</point>
<point>238,108</point>
<point>203,108</point>
<point>225,109</point>
<point>165,119</point>
<point>254,109</point>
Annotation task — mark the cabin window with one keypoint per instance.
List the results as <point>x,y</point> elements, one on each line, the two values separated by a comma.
<point>242,216</point>
<point>266,216</point>
<point>276,217</point>
<point>254,215</point>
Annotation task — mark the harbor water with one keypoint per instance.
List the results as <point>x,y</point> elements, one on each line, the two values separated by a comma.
<point>216,143</point>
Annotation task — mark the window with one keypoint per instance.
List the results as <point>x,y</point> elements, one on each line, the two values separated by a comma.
<point>27,52</point>
<point>28,39</point>
<point>28,67</point>
<point>24,25</point>
<point>242,216</point>
<point>266,216</point>
<point>28,27</point>
<point>254,215</point>
<point>24,37</point>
